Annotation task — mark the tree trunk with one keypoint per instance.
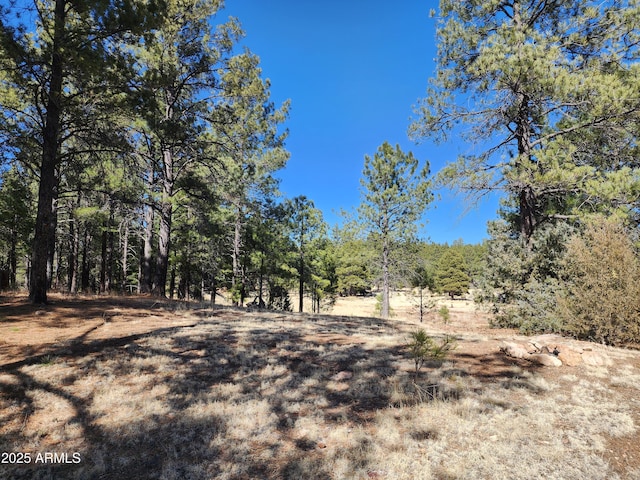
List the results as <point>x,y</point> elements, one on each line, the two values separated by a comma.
<point>237,247</point>
<point>145,267</point>
<point>27,270</point>
<point>164,238</point>
<point>261,303</point>
<point>13,259</point>
<point>523,132</point>
<point>103,260</point>
<point>527,206</point>
<point>125,256</point>
<point>172,282</point>
<point>384,311</point>
<point>84,279</point>
<point>214,288</point>
<point>74,246</point>
<point>45,221</point>
<point>52,259</point>
<point>166,207</point>
<point>110,249</point>
<point>301,283</point>
<point>301,267</point>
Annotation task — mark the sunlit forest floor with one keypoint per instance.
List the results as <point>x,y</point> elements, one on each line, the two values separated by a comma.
<point>135,387</point>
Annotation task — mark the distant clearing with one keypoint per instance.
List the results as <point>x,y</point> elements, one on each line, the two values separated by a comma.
<point>143,389</point>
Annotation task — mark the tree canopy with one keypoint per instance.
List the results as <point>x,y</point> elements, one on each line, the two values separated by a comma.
<point>549,91</point>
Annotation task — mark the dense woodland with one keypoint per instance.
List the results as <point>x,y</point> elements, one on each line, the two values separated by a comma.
<point>140,151</point>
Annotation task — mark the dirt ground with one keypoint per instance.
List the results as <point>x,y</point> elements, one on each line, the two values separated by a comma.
<point>84,327</point>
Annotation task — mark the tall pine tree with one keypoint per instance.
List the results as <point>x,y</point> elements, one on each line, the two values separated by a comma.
<point>544,88</point>
<point>394,196</point>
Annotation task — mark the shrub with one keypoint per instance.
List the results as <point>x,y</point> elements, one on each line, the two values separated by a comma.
<point>422,348</point>
<point>444,314</point>
<point>602,302</point>
<point>279,298</point>
<point>522,282</point>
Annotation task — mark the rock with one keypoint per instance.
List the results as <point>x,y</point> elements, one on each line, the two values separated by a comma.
<point>595,359</point>
<point>514,350</point>
<point>545,360</point>
<point>545,349</point>
<point>569,357</point>
<point>561,347</point>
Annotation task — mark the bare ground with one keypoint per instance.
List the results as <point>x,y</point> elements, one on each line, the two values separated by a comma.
<point>132,387</point>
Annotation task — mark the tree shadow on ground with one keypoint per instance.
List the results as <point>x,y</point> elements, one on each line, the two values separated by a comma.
<point>223,397</point>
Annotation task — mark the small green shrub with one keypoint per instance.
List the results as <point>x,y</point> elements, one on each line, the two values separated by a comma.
<point>444,314</point>
<point>423,348</point>
<point>237,293</point>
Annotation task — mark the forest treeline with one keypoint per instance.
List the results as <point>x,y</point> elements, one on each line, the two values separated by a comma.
<point>282,247</point>
<point>140,150</point>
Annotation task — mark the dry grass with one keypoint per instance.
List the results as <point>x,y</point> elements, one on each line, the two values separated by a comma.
<point>235,395</point>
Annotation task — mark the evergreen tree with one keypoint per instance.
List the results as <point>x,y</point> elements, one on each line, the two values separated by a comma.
<point>63,70</point>
<point>422,279</point>
<point>324,280</point>
<point>307,227</point>
<point>251,147</point>
<point>550,91</point>
<point>16,220</point>
<point>394,196</point>
<point>176,87</point>
<point>355,259</point>
<point>451,274</point>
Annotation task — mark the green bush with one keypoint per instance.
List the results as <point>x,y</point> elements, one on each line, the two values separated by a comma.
<point>423,348</point>
<point>522,281</point>
<point>602,301</point>
<point>279,299</point>
<point>532,308</point>
<point>444,314</point>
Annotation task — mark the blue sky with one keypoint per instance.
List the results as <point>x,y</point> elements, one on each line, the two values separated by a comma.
<point>353,69</point>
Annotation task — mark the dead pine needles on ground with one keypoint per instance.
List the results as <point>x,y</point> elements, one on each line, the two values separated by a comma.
<point>170,393</point>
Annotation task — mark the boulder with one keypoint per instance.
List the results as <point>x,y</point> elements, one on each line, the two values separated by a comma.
<point>569,357</point>
<point>551,351</point>
<point>561,347</point>
<point>595,359</point>
<point>514,350</point>
<point>545,360</point>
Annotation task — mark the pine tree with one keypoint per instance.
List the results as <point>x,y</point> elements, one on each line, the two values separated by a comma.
<point>451,274</point>
<point>64,71</point>
<point>306,227</point>
<point>549,90</point>
<point>252,148</point>
<point>394,196</point>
